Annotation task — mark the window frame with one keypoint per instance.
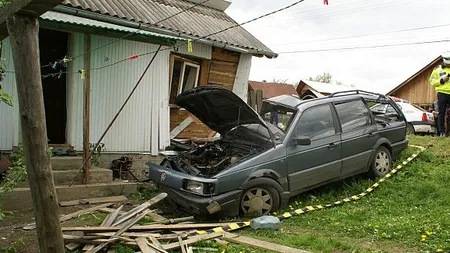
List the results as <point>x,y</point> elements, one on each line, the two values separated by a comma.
<point>184,60</point>
<point>183,69</point>
<point>371,117</point>
<point>333,116</point>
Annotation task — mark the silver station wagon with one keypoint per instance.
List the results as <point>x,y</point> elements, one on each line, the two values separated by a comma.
<point>292,146</point>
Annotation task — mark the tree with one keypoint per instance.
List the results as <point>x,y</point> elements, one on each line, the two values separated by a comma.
<point>324,78</point>
<point>280,81</point>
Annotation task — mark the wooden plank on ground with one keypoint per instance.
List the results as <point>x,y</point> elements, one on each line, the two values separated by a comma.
<point>120,198</point>
<point>192,240</point>
<point>73,215</point>
<point>106,223</point>
<point>182,246</point>
<point>142,244</point>
<point>128,215</point>
<point>261,244</point>
<point>177,130</point>
<point>147,227</point>
<point>72,246</point>
<point>152,215</point>
<point>124,228</point>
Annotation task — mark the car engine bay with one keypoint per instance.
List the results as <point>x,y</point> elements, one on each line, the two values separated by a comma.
<point>214,157</point>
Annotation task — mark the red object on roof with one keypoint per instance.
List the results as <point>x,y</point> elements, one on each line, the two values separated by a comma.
<point>271,90</point>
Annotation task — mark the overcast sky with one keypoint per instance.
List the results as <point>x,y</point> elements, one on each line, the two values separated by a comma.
<point>375,69</point>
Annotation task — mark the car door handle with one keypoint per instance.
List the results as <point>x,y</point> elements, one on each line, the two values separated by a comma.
<point>333,145</point>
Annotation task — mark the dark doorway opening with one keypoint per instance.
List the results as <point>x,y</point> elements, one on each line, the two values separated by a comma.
<point>53,46</point>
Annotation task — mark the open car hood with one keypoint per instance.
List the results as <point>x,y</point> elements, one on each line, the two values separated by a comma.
<point>219,108</point>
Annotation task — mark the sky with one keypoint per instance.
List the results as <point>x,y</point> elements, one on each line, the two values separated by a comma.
<point>313,26</point>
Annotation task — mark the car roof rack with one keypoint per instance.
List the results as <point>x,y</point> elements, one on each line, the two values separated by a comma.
<point>359,92</point>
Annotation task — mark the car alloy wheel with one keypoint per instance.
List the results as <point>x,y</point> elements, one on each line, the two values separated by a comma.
<point>382,162</point>
<point>257,201</point>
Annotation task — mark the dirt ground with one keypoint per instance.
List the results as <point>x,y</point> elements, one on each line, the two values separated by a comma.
<point>11,229</point>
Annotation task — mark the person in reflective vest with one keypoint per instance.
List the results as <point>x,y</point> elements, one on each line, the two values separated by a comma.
<point>440,80</point>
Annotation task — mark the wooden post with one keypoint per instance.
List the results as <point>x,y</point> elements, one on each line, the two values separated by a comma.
<point>23,33</point>
<point>87,107</point>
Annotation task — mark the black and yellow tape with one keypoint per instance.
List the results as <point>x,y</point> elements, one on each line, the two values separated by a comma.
<point>308,209</point>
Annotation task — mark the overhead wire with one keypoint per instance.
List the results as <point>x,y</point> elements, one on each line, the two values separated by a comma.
<point>364,35</point>
<point>140,29</point>
<point>365,47</point>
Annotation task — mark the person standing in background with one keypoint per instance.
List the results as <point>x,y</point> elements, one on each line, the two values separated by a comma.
<point>440,80</point>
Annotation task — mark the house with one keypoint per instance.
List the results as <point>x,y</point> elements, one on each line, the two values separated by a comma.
<point>416,89</point>
<point>270,90</point>
<point>115,40</point>
<point>310,89</point>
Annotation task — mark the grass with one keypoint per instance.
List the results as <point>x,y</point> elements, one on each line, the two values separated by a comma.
<point>410,212</point>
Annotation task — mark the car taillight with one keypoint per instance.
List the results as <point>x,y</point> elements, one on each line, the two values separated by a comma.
<point>424,117</point>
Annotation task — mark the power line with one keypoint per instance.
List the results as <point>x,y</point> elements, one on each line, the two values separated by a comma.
<point>364,35</point>
<point>330,14</point>
<point>366,47</point>
<point>140,28</point>
<point>215,33</point>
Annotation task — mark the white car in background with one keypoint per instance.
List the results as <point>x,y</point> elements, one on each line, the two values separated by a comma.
<point>419,120</point>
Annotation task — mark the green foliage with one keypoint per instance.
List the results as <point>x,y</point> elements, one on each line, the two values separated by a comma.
<point>97,153</point>
<point>13,247</point>
<point>16,174</point>
<point>123,249</point>
<point>144,193</point>
<point>5,97</point>
<point>324,78</point>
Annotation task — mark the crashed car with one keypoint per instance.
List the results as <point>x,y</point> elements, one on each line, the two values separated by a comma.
<point>256,166</point>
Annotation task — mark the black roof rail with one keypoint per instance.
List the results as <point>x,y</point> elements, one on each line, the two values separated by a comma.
<point>361,92</point>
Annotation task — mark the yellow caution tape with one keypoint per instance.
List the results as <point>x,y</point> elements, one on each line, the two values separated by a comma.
<point>308,209</point>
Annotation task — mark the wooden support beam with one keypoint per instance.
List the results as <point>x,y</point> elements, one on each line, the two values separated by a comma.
<point>86,107</point>
<point>147,227</point>
<point>23,33</point>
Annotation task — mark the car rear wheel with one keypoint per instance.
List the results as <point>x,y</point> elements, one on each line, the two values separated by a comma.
<point>260,200</point>
<point>410,129</point>
<point>382,162</point>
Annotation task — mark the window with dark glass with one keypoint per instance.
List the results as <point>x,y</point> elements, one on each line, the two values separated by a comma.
<point>353,115</point>
<point>316,123</point>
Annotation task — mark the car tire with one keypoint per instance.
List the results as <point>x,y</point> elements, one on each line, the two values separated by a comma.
<point>381,162</point>
<point>259,200</point>
<point>410,129</point>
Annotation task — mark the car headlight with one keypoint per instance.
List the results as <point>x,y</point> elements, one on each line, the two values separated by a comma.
<point>199,187</point>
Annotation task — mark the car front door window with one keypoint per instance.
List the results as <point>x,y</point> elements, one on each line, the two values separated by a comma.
<point>316,123</point>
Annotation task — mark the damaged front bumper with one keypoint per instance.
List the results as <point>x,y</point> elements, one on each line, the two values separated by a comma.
<point>172,182</point>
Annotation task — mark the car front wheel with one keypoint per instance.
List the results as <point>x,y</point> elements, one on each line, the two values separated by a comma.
<point>382,162</point>
<point>259,200</point>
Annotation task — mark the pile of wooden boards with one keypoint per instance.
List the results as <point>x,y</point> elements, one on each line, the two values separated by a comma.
<point>162,235</point>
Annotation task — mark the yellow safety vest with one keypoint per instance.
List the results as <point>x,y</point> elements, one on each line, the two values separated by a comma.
<point>435,79</point>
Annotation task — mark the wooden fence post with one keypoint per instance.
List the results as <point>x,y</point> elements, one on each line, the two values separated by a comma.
<point>23,33</point>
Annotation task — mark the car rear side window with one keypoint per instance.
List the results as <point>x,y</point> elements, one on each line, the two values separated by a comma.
<point>316,123</point>
<point>353,115</point>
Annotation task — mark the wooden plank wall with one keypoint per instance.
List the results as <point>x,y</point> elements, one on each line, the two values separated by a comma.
<point>219,71</point>
<point>418,91</point>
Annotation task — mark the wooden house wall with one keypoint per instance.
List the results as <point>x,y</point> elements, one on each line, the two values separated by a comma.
<point>219,71</point>
<point>418,91</point>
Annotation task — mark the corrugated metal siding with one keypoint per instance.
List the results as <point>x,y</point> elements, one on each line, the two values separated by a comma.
<point>9,116</point>
<point>242,74</point>
<point>199,21</point>
<point>198,49</point>
<point>138,127</point>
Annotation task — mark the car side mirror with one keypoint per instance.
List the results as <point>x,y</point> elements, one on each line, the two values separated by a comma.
<point>301,141</point>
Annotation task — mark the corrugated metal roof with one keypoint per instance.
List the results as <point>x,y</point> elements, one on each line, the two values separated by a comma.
<point>70,19</point>
<point>197,22</point>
